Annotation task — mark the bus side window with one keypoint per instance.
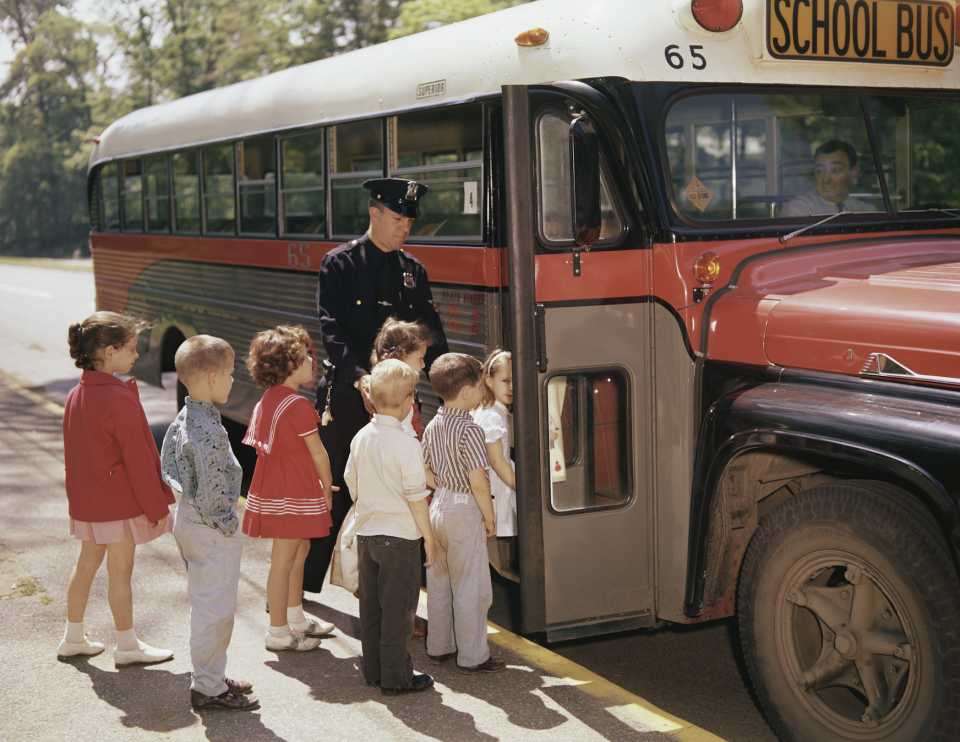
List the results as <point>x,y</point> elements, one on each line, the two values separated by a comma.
<point>110,197</point>
<point>356,155</point>
<point>554,166</point>
<point>444,149</point>
<point>157,194</point>
<point>219,201</point>
<point>588,434</point>
<point>131,196</point>
<point>258,185</point>
<point>302,185</point>
<point>186,192</point>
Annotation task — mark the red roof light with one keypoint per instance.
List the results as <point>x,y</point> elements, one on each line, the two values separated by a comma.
<point>717,15</point>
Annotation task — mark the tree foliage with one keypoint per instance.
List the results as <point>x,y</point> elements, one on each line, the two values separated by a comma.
<point>45,114</point>
<point>421,15</point>
<point>68,81</point>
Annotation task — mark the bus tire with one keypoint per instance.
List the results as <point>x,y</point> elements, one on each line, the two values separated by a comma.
<point>843,597</point>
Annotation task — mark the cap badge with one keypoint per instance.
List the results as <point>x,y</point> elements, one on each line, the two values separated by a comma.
<point>412,191</point>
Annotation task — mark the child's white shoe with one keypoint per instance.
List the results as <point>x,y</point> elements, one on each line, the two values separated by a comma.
<point>144,654</point>
<point>294,641</point>
<point>313,626</point>
<point>72,649</point>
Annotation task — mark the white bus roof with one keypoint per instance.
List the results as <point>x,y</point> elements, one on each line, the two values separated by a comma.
<point>587,39</point>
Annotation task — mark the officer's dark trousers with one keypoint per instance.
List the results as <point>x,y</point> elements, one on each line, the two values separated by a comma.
<point>389,588</point>
<point>349,416</point>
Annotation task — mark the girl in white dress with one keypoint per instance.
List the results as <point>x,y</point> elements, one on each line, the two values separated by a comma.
<point>492,416</point>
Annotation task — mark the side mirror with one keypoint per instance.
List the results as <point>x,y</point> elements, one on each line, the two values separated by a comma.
<point>585,156</point>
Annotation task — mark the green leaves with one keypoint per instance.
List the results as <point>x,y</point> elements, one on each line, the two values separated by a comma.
<point>69,81</point>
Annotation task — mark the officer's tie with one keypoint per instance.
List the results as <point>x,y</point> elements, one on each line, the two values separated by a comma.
<point>388,284</point>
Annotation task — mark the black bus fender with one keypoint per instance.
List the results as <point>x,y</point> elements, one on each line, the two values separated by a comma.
<point>812,434</point>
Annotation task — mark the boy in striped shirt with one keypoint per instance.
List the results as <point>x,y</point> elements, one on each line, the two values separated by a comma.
<point>459,592</point>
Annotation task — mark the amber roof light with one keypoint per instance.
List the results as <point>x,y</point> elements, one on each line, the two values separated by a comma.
<point>533,37</point>
<point>717,15</point>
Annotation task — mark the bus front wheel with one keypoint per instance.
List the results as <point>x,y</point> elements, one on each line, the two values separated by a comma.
<point>848,611</point>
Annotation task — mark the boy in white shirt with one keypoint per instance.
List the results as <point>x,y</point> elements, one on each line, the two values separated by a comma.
<point>386,478</point>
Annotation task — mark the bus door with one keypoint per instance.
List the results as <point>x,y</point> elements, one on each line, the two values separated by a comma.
<point>581,390</point>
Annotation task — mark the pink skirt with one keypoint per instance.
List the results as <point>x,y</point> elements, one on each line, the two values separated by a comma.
<point>116,531</point>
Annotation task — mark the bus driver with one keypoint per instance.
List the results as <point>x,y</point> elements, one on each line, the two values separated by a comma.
<point>361,284</point>
<point>835,170</point>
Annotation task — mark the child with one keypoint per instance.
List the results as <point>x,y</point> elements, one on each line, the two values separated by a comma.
<point>199,464</point>
<point>407,342</point>
<point>461,514</point>
<point>289,498</point>
<point>385,475</point>
<point>492,417</point>
<point>117,497</point>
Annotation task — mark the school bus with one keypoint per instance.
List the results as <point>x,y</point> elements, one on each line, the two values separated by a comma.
<point>721,239</point>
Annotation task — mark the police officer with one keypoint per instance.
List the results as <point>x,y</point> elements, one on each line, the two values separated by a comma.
<point>361,284</point>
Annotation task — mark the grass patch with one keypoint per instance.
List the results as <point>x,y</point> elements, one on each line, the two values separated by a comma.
<point>46,599</point>
<point>66,264</point>
<point>31,588</point>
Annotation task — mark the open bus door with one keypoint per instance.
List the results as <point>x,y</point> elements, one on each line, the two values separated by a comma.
<point>581,410</point>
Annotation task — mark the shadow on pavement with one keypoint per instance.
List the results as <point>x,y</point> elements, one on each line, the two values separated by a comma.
<point>153,699</point>
<point>334,679</point>
<point>515,691</point>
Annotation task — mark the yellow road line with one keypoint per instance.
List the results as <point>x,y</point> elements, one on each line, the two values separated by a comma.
<point>38,399</point>
<point>619,702</point>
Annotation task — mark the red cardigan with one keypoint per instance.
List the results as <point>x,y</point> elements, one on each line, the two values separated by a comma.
<point>113,468</point>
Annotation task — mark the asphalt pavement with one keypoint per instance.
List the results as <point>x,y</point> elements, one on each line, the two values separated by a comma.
<point>304,696</point>
<point>694,671</point>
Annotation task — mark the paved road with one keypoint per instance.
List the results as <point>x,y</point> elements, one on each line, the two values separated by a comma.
<point>695,673</point>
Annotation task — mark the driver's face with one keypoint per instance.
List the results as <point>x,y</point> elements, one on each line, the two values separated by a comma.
<point>833,176</point>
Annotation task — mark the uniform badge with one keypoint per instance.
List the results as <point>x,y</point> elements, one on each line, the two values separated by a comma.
<point>408,280</point>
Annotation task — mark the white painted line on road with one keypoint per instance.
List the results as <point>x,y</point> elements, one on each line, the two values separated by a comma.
<point>28,292</point>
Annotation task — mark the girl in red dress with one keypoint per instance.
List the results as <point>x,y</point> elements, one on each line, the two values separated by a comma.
<point>289,498</point>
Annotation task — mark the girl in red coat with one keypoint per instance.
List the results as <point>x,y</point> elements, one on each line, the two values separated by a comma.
<point>116,494</point>
<point>290,495</point>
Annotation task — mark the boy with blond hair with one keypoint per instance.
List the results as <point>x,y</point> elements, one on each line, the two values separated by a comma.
<point>199,464</point>
<point>459,592</point>
<point>386,477</point>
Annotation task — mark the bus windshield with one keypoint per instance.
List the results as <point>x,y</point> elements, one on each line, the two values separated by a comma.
<point>753,156</point>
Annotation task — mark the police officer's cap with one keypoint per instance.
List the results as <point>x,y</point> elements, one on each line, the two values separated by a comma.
<point>398,194</point>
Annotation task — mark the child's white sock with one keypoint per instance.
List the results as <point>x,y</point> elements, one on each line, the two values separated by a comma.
<point>295,615</point>
<point>127,640</point>
<point>280,631</point>
<point>74,632</point>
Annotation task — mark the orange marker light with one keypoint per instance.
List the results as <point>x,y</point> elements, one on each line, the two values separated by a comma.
<point>717,15</point>
<point>533,37</point>
<point>706,269</point>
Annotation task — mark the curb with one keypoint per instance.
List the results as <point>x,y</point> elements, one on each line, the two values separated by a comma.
<point>619,702</point>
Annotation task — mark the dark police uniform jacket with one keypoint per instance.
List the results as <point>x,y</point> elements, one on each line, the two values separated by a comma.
<point>350,320</point>
<point>350,317</point>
